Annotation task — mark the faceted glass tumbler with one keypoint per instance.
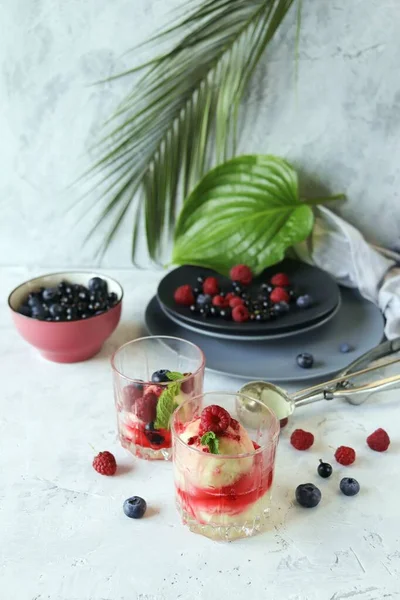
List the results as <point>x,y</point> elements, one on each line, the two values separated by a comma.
<point>138,399</point>
<point>225,497</point>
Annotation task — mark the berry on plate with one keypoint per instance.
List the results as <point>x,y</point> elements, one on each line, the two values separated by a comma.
<point>242,274</point>
<point>280,280</point>
<point>304,301</point>
<point>219,300</point>
<point>305,360</point>
<point>324,469</point>
<point>280,308</point>
<point>349,486</point>
<point>211,286</point>
<point>379,440</point>
<point>215,418</point>
<point>345,455</point>
<point>301,440</point>
<point>135,507</point>
<point>279,294</point>
<point>105,463</point>
<point>160,376</point>
<point>184,295</point>
<point>308,495</point>
<point>240,314</point>
<point>235,301</point>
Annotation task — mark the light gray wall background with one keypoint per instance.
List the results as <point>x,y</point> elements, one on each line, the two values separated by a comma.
<point>340,126</point>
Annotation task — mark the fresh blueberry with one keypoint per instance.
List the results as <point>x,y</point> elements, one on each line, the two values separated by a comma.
<point>349,486</point>
<point>156,438</point>
<point>97,284</point>
<point>245,296</point>
<point>204,310</point>
<point>85,315</point>
<point>56,310</point>
<point>324,469</point>
<point>225,313</point>
<point>266,288</point>
<point>49,294</point>
<point>345,348</point>
<point>304,301</point>
<point>203,299</point>
<point>72,313</point>
<point>305,360</point>
<point>82,307</point>
<point>160,376</point>
<point>83,296</point>
<point>34,299</point>
<point>135,507</point>
<point>61,286</point>
<point>281,308</point>
<point>25,310</point>
<point>40,311</point>
<point>112,299</point>
<point>149,426</point>
<point>308,495</point>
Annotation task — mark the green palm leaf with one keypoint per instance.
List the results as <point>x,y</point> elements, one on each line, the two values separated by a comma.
<point>180,118</point>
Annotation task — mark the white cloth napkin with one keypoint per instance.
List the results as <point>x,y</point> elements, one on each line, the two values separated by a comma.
<point>340,249</point>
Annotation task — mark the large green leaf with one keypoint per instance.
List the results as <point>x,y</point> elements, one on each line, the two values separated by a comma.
<point>247,210</point>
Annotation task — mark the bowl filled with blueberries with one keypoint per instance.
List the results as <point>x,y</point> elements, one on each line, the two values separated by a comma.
<point>67,316</point>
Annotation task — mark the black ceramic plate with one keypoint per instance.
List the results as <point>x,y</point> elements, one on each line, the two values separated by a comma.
<point>305,278</point>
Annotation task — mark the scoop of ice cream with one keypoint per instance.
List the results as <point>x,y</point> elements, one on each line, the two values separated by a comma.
<point>197,466</point>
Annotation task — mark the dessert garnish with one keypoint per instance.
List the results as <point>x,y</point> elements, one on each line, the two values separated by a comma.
<point>105,463</point>
<point>135,507</point>
<point>210,439</point>
<point>166,403</point>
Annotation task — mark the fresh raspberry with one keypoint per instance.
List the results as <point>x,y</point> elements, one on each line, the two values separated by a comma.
<point>301,440</point>
<point>146,407</point>
<point>130,394</point>
<point>242,274</point>
<point>211,286</point>
<point>105,463</point>
<point>184,295</point>
<point>236,301</point>
<point>345,455</point>
<point>379,440</point>
<point>280,280</point>
<point>220,301</point>
<point>240,314</point>
<point>214,418</point>
<point>279,294</point>
<point>230,295</point>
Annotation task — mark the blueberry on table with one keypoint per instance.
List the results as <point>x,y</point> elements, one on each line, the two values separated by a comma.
<point>308,495</point>
<point>305,360</point>
<point>160,376</point>
<point>135,507</point>
<point>324,469</point>
<point>349,486</point>
<point>97,284</point>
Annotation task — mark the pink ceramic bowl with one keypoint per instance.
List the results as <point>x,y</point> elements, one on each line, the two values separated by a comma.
<point>65,342</point>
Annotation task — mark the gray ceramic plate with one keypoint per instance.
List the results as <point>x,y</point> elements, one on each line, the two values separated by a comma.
<point>251,337</point>
<point>358,323</point>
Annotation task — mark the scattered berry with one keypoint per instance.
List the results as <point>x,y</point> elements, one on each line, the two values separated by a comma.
<point>308,495</point>
<point>135,507</point>
<point>241,274</point>
<point>301,440</point>
<point>105,463</point>
<point>345,348</point>
<point>219,300</point>
<point>280,280</point>
<point>279,294</point>
<point>324,469</point>
<point>280,308</point>
<point>305,360</point>
<point>203,299</point>
<point>304,301</point>
<point>230,295</point>
<point>146,407</point>
<point>240,314</point>
<point>214,418</point>
<point>184,295</point>
<point>160,376</point>
<point>96,284</point>
<point>235,301</point>
<point>349,486</point>
<point>211,286</point>
<point>379,440</point>
<point>345,455</point>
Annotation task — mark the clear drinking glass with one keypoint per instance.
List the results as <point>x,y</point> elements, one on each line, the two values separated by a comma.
<point>225,496</point>
<point>143,407</point>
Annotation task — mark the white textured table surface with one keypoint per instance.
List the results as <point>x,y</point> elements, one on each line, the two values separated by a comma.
<point>63,535</point>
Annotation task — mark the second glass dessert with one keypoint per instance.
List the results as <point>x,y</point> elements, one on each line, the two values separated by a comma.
<point>152,377</point>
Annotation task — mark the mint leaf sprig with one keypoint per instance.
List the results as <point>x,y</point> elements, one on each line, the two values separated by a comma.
<point>166,403</point>
<point>210,439</point>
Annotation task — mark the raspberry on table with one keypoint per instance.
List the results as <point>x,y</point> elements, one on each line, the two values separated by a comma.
<point>214,418</point>
<point>146,407</point>
<point>279,294</point>
<point>184,295</point>
<point>236,301</point>
<point>345,455</point>
<point>240,314</point>
<point>379,440</point>
<point>211,286</point>
<point>301,440</point>
<point>280,280</point>
<point>105,463</point>
<point>242,274</point>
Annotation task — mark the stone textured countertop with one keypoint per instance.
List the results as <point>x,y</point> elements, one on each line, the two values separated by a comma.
<point>64,535</point>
